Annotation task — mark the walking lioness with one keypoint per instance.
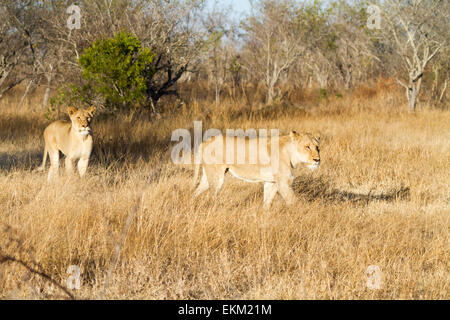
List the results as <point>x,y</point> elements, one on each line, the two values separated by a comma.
<point>293,149</point>
<point>72,138</point>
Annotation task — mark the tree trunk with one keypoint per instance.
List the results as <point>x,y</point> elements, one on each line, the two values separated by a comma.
<point>153,105</point>
<point>46,97</point>
<point>217,93</point>
<point>30,83</point>
<point>48,89</point>
<point>412,92</point>
<point>411,100</point>
<point>270,94</point>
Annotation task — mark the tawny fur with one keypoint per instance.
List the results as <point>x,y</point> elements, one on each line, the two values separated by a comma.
<point>293,149</point>
<point>73,139</point>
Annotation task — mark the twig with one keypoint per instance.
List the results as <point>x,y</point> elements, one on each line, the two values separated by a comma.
<point>119,245</point>
<point>5,258</point>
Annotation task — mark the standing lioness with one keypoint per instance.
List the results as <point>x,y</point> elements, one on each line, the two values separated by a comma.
<point>293,149</point>
<point>72,138</point>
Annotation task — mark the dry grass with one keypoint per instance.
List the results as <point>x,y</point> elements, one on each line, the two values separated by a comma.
<point>380,198</point>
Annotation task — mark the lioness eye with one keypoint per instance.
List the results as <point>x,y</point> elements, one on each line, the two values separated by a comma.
<point>307,147</point>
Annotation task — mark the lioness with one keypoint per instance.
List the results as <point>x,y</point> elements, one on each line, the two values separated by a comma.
<point>72,138</point>
<point>293,149</point>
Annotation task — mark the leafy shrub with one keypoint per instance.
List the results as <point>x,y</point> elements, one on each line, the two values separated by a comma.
<point>117,69</point>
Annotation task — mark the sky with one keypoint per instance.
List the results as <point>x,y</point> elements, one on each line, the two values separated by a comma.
<point>238,7</point>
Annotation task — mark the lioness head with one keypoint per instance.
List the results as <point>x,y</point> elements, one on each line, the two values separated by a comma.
<point>307,149</point>
<point>81,119</point>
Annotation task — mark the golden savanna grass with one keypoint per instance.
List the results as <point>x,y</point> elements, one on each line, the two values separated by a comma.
<point>381,197</point>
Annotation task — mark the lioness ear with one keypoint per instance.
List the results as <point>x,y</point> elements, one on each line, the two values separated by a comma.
<point>71,110</point>
<point>91,110</point>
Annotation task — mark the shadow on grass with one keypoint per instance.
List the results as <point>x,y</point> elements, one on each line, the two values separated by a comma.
<point>312,189</point>
<point>103,154</point>
<point>13,127</point>
<point>116,148</point>
<point>123,150</point>
<point>268,112</point>
<point>23,160</point>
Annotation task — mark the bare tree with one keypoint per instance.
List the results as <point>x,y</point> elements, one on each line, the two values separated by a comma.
<point>172,30</point>
<point>273,41</point>
<point>440,74</point>
<point>31,25</point>
<point>220,56</point>
<point>416,28</point>
<point>13,42</point>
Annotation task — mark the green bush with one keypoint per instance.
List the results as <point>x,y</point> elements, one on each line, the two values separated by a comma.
<point>117,69</point>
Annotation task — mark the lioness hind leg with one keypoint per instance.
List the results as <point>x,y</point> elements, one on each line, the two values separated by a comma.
<point>203,185</point>
<point>219,179</point>
<point>270,190</point>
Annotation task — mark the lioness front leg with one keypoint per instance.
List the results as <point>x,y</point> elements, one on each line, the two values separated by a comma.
<point>82,165</point>
<point>287,193</point>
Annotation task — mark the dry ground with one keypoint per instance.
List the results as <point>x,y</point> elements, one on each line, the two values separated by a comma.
<point>381,197</point>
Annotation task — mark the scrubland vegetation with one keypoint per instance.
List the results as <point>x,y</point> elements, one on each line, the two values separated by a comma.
<point>380,198</point>
<point>376,90</point>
